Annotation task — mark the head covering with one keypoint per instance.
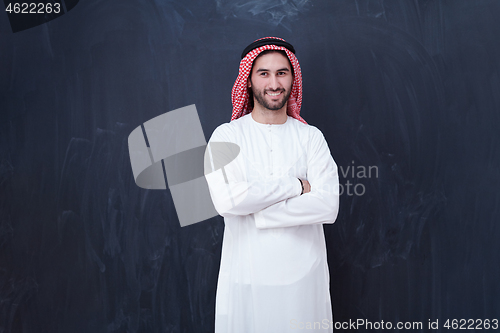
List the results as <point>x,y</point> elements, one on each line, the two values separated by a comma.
<point>240,96</point>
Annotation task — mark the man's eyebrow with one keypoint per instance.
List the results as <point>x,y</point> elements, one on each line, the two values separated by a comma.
<point>285,69</point>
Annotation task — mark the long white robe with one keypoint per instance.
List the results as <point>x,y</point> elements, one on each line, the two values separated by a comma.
<point>274,274</point>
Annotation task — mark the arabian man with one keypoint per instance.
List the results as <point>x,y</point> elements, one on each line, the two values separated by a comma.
<point>275,195</point>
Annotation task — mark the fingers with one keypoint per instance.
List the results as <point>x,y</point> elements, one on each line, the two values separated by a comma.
<point>307,186</point>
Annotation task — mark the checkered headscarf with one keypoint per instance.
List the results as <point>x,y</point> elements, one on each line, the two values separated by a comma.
<point>240,96</point>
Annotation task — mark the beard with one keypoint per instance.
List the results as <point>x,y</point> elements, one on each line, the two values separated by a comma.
<point>275,105</point>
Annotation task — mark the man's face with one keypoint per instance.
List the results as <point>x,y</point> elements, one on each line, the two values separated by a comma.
<point>271,80</point>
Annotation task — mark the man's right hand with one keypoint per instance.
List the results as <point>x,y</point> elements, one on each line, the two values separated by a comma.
<point>307,186</point>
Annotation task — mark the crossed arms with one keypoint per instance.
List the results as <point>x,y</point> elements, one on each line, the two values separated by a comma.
<point>277,202</point>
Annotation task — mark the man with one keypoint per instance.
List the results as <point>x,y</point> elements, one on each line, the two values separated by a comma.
<point>274,195</point>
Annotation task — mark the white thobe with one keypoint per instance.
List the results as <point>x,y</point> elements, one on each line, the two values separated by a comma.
<point>273,274</point>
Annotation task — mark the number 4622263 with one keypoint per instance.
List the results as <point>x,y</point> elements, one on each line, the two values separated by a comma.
<point>33,8</point>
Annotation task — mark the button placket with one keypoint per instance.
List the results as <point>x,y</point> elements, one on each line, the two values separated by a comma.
<point>271,150</point>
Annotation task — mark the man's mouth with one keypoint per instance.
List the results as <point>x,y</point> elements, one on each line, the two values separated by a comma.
<point>274,94</point>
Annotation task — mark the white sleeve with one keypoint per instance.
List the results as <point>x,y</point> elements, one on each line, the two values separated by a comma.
<point>232,194</point>
<point>321,205</point>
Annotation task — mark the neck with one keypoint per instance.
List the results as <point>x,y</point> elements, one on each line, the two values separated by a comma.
<point>266,116</point>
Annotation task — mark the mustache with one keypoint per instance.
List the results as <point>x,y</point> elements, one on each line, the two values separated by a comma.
<point>274,91</point>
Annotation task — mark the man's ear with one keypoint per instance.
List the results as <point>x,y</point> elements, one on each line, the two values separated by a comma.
<point>249,83</point>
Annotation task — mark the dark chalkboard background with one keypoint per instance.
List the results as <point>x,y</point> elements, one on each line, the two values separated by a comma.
<point>409,87</point>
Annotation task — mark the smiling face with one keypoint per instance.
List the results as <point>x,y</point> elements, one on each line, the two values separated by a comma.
<point>271,81</point>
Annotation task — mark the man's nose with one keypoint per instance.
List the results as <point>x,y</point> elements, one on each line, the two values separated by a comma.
<point>273,83</point>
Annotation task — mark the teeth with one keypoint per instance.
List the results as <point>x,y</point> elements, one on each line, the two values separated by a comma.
<point>275,94</point>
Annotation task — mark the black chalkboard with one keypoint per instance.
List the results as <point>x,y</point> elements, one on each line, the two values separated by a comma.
<point>407,94</point>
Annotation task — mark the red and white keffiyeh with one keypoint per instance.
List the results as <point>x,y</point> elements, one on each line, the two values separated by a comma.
<point>240,96</point>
